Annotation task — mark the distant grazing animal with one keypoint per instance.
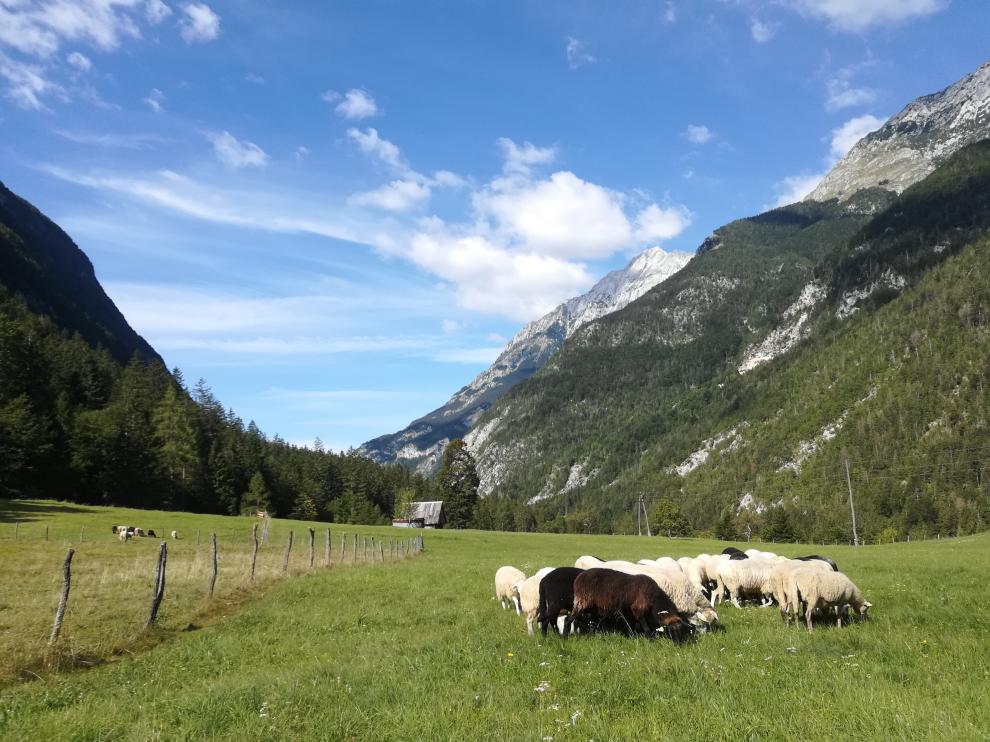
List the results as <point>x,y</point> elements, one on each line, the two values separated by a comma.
<point>151,533</point>
<point>138,531</point>
<point>124,535</point>
<point>780,578</point>
<point>827,590</point>
<point>175,534</point>
<point>814,557</point>
<point>505,578</point>
<point>113,529</point>
<point>604,594</point>
<point>556,597</point>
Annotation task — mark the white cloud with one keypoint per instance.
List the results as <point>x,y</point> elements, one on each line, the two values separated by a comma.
<point>356,104</point>
<point>155,100</point>
<point>478,356</point>
<point>521,159</point>
<point>795,187</point>
<point>235,153</point>
<point>79,61</point>
<point>841,94</point>
<point>302,152</point>
<point>763,31</point>
<point>577,55</point>
<point>670,13</point>
<point>655,223</point>
<point>447,179</point>
<point>26,83</point>
<point>699,134</point>
<point>116,141</point>
<point>398,195</point>
<point>491,279</point>
<point>254,79</point>
<point>563,216</point>
<point>846,136</point>
<point>856,16</point>
<point>383,150</point>
<point>330,96</point>
<point>156,11</point>
<point>199,23</point>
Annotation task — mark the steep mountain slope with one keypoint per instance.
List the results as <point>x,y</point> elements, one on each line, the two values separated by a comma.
<point>911,144</point>
<point>40,264</point>
<point>881,328</point>
<point>421,444</point>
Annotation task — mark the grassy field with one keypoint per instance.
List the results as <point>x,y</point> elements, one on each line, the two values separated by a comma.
<point>420,650</point>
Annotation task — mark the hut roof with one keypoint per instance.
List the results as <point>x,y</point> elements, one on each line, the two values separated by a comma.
<point>430,512</point>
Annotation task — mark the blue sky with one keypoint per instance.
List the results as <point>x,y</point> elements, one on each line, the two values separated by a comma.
<point>338,212</point>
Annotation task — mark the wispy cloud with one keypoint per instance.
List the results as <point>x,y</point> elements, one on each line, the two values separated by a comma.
<point>199,23</point>
<point>112,141</point>
<point>155,100</point>
<point>699,134</point>
<point>858,16</point>
<point>235,153</point>
<point>356,104</point>
<point>577,54</point>
<point>763,31</point>
<point>475,356</point>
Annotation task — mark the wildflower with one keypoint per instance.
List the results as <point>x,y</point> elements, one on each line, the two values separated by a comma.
<point>555,707</point>
<point>263,711</point>
<point>574,717</point>
<point>543,687</point>
<point>509,654</point>
<point>544,664</point>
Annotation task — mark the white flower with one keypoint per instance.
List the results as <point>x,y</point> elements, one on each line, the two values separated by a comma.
<point>574,717</point>
<point>263,711</point>
<point>543,686</point>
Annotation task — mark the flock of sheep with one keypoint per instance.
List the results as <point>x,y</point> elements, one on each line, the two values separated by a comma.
<point>126,533</point>
<point>676,597</point>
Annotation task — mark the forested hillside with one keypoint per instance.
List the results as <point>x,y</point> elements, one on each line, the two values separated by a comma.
<point>89,413</point>
<point>797,340</point>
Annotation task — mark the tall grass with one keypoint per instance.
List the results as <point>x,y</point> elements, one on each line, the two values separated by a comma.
<point>421,650</point>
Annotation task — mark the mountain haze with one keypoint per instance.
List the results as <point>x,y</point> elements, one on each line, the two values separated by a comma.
<point>421,443</point>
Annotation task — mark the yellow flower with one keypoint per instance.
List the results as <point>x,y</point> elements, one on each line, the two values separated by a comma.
<point>508,654</point>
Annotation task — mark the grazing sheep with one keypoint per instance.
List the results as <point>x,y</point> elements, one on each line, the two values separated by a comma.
<point>528,594</point>
<point>556,597</point>
<point>825,590</point>
<point>505,578</point>
<point>113,529</point>
<point>604,595</point>
<point>124,535</point>
<point>780,578</point>
<point>139,532</point>
<point>151,533</point>
<point>175,534</point>
<point>666,561</point>
<point>819,558</point>
<point>588,562</point>
<point>730,550</point>
<point>749,578</point>
<point>690,601</point>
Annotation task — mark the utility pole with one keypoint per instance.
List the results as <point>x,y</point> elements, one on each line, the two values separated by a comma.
<point>852,506</point>
<point>639,530</point>
<point>647,517</point>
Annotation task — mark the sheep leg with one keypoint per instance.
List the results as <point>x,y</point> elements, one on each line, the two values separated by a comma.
<point>529,625</point>
<point>515,602</point>
<point>807,616</point>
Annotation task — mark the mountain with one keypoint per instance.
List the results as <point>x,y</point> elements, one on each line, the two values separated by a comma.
<point>420,445</point>
<point>41,265</point>
<point>915,141</point>
<point>796,340</point>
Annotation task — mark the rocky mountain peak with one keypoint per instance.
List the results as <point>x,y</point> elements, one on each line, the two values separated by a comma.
<point>915,141</point>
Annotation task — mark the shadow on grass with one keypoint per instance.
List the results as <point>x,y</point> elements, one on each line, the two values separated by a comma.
<point>27,511</point>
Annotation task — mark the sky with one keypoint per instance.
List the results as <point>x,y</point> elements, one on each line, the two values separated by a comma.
<point>337,213</point>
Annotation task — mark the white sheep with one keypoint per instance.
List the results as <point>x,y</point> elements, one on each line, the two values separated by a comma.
<point>825,589</point>
<point>588,562</point>
<point>123,534</point>
<point>505,578</point>
<point>780,577</point>
<point>175,534</point>
<point>744,578</point>
<point>666,561</point>
<point>528,594</point>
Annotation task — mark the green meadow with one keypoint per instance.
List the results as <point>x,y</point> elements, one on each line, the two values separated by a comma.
<point>419,649</point>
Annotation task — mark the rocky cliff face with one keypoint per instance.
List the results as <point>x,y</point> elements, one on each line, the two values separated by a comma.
<point>914,142</point>
<point>421,444</point>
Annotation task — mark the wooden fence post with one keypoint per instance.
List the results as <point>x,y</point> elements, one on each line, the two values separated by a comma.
<point>213,573</point>
<point>254,551</point>
<point>326,551</point>
<point>46,533</point>
<point>159,590</point>
<point>285,560</point>
<point>82,534</point>
<point>197,537</point>
<point>381,548</point>
<point>354,553</point>
<point>312,547</point>
<point>63,601</point>
<point>343,543</point>
<point>365,549</point>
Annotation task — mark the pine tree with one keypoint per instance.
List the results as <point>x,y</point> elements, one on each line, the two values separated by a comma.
<point>257,497</point>
<point>458,482</point>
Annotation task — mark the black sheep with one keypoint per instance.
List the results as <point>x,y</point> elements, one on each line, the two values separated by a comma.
<point>811,557</point>
<point>556,596</point>
<point>604,595</point>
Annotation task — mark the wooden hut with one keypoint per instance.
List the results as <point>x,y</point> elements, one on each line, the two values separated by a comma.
<point>423,515</point>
